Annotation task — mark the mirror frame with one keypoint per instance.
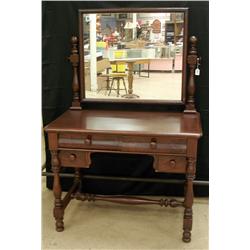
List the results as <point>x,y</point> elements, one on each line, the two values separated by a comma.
<point>133,10</point>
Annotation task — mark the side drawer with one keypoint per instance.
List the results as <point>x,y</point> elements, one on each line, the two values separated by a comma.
<point>73,158</point>
<point>88,141</point>
<point>170,164</point>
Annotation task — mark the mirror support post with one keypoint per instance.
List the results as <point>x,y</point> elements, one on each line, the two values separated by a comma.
<point>74,59</point>
<point>192,61</point>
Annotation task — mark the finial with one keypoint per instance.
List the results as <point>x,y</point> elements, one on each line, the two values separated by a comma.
<point>192,62</point>
<point>74,39</point>
<point>193,43</point>
<point>193,40</point>
<point>74,59</point>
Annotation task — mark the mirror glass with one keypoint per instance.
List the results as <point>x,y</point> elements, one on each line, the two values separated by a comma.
<point>133,55</point>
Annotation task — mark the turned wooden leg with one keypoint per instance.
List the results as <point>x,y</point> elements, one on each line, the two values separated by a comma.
<point>58,208</point>
<point>130,78</point>
<point>188,201</point>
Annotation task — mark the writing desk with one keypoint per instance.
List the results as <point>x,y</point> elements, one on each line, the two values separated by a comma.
<point>171,138</point>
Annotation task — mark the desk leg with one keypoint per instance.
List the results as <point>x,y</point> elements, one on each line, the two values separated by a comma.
<point>188,201</point>
<point>130,78</point>
<point>148,69</point>
<point>130,82</point>
<point>58,208</point>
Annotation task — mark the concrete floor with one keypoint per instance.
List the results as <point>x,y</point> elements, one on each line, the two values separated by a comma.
<point>159,86</point>
<point>103,225</point>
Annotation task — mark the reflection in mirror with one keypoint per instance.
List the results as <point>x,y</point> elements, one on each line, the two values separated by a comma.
<point>133,55</point>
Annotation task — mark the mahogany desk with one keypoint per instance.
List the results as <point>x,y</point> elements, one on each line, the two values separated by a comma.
<point>171,138</point>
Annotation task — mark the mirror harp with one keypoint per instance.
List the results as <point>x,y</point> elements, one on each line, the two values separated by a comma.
<point>191,61</point>
<point>74,59</point>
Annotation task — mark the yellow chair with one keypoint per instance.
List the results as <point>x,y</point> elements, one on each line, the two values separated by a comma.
<point>118,74</point>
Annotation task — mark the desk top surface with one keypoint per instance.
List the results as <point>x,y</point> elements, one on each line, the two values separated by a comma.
<point>127,122</point>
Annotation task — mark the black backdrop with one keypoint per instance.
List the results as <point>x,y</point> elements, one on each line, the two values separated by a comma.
<point>59,23</point>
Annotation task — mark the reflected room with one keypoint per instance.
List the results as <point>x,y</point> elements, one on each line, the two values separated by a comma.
<point>133,55</point>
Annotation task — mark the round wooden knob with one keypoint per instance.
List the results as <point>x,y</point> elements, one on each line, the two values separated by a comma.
<point>193,39</point>
<point>172,163</point>
<point>153,143</point>
<point>88,141</point>
<point>74,39</point>
<point>72,157</point>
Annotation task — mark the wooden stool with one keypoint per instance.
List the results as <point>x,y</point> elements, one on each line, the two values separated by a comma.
<point>117,77</point>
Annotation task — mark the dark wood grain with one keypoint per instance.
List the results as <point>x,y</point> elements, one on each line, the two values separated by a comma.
<point>74,158</point>
<point>57,190</point>
<point>189,193</point>
<point>192,61</point>
<point>74,59</point>
<point>170,164</point>
<point>170,137</point>
<point>124,199</point>
<point>128,123</point>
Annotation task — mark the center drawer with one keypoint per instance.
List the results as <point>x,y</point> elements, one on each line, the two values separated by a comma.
<point>124,143</point>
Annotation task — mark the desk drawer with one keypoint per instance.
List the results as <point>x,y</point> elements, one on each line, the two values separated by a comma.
<point>170,164</point>
<point>73,158</point>
<point>123,143</point>
<point>88,141</point>
<point>153,144</point>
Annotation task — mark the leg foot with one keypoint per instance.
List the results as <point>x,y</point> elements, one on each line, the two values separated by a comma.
<point>58,215</point>
<point>59,227</point>
<point>186,237</point>
<point>187,225</point>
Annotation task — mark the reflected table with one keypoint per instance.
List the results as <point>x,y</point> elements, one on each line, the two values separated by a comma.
<point>130,62</point>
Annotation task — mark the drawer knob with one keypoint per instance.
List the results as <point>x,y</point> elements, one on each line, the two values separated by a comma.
<point>153,143</point>
<point>88,140</point>
<point>172,163</point>
<point>72,157</point>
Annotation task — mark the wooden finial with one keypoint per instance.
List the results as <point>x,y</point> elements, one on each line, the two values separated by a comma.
<point>192,61</point>
<point>74,59</point>
<point>193,45</point>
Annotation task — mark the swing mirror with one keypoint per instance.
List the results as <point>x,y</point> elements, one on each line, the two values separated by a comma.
<point>134,55</point>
